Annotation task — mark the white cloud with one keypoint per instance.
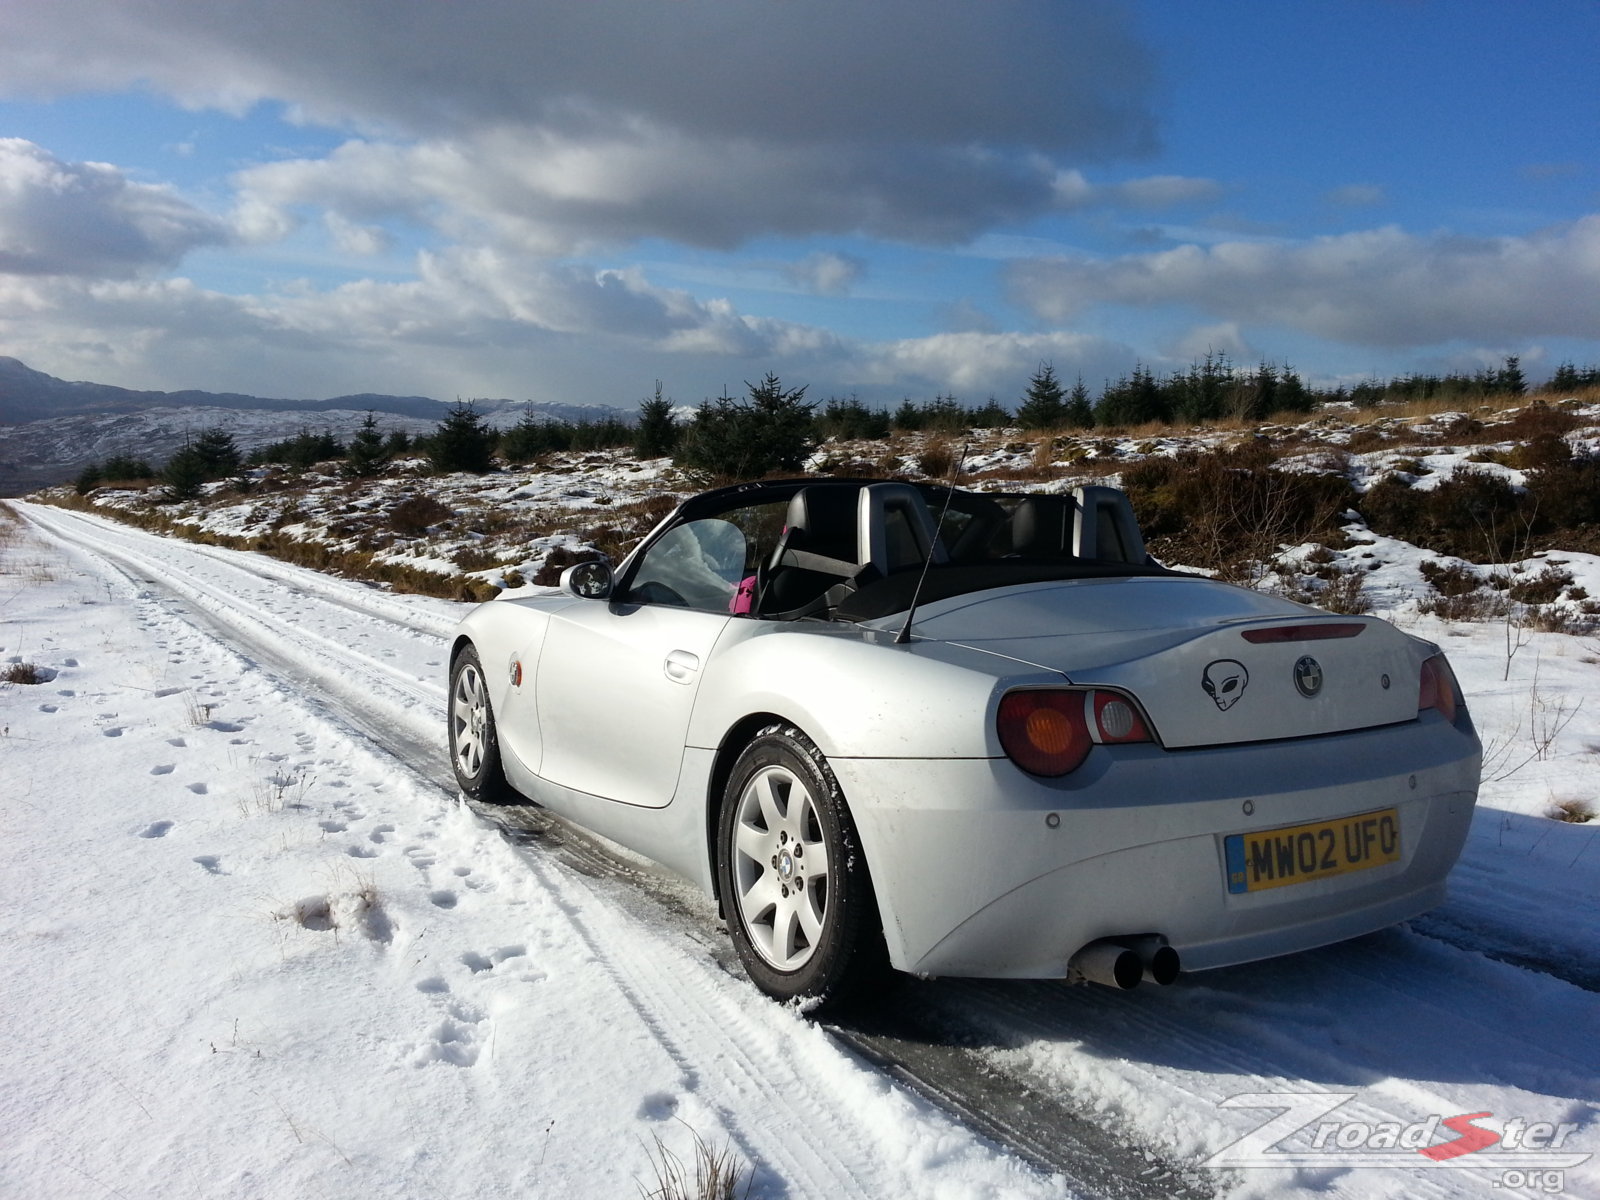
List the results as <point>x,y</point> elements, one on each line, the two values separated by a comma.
<point>826,273</point>
<point>352,238</point>
<point>88,219</point>
<point>1224,337</point>
<point>1357,195</point>
<point>1382,287</point>
<point>973,364</point>
<point>1074,191</point>
<point>553,194</point>
<point>479,324</point>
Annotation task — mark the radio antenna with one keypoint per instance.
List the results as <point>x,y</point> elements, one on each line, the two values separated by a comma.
<point>904,635</point>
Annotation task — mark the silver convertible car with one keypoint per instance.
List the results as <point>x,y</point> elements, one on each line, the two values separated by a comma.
<point>959,733</point>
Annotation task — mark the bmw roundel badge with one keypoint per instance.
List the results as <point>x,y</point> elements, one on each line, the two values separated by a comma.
<point>1308,676</point>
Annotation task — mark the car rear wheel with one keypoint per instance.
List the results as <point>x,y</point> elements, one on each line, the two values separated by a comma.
<point>474,746</point>
<point>794,882</point>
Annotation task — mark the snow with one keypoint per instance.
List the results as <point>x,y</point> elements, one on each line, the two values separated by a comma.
<point>250,953</point>
<point>253,948</point>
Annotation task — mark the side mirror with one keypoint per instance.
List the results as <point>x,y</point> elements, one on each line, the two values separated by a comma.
<point>587,580</point>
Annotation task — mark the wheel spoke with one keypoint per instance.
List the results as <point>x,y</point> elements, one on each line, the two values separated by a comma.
<point>785,924</point>
<point>814,855</point>
<point>469,752</point>
<point>759,899</point>
<point>809,911</point>
<point>755,844</point>
<point>772,807</point>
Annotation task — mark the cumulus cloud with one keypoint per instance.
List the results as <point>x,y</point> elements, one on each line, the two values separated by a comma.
<point>1074,191</point>
<point>476,323</point>
<point>89,219</point>
<point>706,121</point>
<point>1382,287</point>
<point>826,273</point>
<point>1224,337</point>
<point>463,303</point>
<point>972,363</point>
<point>552,194</point>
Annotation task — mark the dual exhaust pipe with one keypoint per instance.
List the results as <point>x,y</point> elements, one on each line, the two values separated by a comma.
<point>1125,962</point>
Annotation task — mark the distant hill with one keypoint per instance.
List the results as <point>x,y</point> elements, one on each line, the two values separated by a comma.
<point>50,428</point>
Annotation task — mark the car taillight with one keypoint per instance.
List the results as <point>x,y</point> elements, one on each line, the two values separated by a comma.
<point>1050,732</point>
<point>1438,689</point>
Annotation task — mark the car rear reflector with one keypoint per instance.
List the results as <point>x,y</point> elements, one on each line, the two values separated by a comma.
<point>1051,731</point>
<point>1303,633</point>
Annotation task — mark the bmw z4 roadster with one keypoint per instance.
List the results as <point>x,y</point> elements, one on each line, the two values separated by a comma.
<point>952,733</point>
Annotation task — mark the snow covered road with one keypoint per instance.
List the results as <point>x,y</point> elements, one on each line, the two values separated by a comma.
<point>255,950</point>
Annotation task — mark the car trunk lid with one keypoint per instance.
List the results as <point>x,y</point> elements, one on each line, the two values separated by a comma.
<point>1210,663</point>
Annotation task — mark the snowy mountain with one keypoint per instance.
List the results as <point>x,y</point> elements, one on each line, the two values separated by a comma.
<point>51,428</point>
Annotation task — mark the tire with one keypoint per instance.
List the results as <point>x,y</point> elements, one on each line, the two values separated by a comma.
<point>802,932</point>
<point>470,731</point>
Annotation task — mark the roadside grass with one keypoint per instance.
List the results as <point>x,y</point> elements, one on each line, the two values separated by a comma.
<point>1574,812</point>
<point>716,1174</point>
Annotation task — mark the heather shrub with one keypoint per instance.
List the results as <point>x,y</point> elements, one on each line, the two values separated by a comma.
<point>413,516</point>
<point>1228,509</point>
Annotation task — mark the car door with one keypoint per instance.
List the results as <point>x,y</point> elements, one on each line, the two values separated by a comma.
<point>617,678</point>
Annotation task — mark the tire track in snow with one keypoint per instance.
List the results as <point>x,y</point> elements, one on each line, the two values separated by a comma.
<point>387,701</point>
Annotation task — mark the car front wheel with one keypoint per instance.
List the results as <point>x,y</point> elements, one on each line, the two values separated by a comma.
<point>474,745</point>
<point>794,882</point>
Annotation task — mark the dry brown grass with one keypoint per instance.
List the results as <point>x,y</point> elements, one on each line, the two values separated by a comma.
<point>717,1174</point>
<point>1574,812</point>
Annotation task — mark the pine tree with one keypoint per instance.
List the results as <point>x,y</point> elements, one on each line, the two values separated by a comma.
<point>1510,379</point>
<point>1078,413</point>
<point>1042,404</point>
<point>992,415</point>
<point>367,455</point>
<point>908,416</point>
<point>656,433</point>
<point>218,455</point>
<point>184,474</point>
<point>462,442</point>
<point>772,430</point>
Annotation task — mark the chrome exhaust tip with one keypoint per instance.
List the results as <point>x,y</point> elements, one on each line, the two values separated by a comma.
<point>1106,963</point>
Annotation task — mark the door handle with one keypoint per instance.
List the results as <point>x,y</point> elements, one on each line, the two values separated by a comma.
<point>681,666</point>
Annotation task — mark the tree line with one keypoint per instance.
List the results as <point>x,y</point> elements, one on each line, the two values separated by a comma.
<point>774,427</point>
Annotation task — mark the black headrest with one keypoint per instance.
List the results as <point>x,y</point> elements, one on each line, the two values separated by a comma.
<point>1041,526</point>
<point>822,519</point>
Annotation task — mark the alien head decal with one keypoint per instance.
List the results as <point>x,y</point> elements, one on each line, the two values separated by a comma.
<point>1224,681</point>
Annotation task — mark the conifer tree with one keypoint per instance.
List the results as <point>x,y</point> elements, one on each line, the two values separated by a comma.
<point>462,442</point>
<point>1078,412</point>
<point>656,433</point>
<point>1042,404</point>
<point>368,454</point>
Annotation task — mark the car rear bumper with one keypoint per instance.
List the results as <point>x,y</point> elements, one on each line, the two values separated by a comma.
<point>981,869</point>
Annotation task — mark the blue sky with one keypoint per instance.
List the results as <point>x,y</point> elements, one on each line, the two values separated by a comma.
<point>568,202</point>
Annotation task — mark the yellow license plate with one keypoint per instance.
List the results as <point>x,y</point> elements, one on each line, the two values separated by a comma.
<point>1300,853</point>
